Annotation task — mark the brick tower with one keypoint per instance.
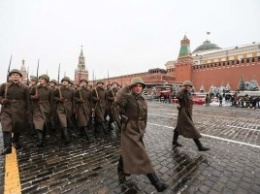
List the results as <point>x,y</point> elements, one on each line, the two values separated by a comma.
<point>183,66</point>
<point>81,71</point>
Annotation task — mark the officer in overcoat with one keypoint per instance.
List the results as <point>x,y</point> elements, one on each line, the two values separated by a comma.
<point>83,99</point>
<point>42,96</point>
<point>134,158</point>
<point>14,98</point>
<point>185,125</point>
<point>99,100</point>
<point>64,96</point>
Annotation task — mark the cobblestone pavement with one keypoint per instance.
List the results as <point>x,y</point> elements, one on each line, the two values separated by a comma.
<point>231,166</point>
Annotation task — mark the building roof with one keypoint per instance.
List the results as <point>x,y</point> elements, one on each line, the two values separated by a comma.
<point>206,46</point>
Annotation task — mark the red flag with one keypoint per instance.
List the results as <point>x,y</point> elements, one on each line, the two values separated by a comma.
<point>208,32</point>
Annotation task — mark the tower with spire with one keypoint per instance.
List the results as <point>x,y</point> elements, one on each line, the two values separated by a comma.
<point>23,72</point>
<point>81,71</point>
<point>183,66</point>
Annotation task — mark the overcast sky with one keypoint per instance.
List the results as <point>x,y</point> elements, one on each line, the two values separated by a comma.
<point>119,36</point>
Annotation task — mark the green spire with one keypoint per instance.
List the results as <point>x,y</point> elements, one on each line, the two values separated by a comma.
<point>185,47</point>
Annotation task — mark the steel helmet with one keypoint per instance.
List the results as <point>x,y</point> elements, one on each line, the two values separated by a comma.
<point>137,80</point>
<point>187,83</point>
<point>46,77</point>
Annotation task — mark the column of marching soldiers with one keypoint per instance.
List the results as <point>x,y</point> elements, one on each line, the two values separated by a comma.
<point>44,106</point>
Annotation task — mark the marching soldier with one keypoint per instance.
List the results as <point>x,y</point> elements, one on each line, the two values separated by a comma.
<point>54,120</point>
<point>53,84</point>
<point>14,98</point>
<point>33,82</point>
<point>63,95</point>
<point>42,96</point>
<point>185,125</point>
<point>113,109</point>
<point>99,99</point>
<point>134,158</point>
<point>83,101</point>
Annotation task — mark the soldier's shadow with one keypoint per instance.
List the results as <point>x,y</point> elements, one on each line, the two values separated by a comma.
<point>185,167</point>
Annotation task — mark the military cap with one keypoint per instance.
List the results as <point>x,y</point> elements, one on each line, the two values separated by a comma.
<point>46,77</point>
<point>83,80</point>
<point>53,81</point>
<point>33,78</point>
<point>66,79</point>
<point>137,80</point>
<point>187,83</point>
<point>15,71</point>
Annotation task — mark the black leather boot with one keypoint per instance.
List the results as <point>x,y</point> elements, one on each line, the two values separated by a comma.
<point>7,143</point>
<point>200,146</point>
<point>104,127</point>
<point>175,139</point>
<point>66,135</point>
<point>85,131</point>
<point>31,129</point>
<point>120,171</point>
<point>40,135</point>
<point>156,182</point>
<point>16,142</point>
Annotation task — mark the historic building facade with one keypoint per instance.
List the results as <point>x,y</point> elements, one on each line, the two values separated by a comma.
<point>210,66</point>
<point>207,66</point>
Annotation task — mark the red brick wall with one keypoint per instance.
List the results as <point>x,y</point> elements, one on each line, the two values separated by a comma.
<point>226,74</point>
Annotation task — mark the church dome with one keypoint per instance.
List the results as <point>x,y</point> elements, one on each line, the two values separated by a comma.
<point>206,46</point>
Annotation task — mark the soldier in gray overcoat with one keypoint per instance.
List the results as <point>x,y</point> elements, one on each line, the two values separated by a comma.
<point>42,97</point>
<point>83,99</point>
<point>99,100</point>
<point>185,125</point>
<point>64,97</point>
<point>14,98</point>
<point>134,158</point>
<point>33,82</point>
<point>54,118</point>
<point>112,107</point>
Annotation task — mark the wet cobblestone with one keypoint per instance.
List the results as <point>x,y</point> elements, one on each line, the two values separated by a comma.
<point>231,166</point>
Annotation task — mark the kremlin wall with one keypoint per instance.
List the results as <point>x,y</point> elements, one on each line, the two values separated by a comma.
<point>207,66</point>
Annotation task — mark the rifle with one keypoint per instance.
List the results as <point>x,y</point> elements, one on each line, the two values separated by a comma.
<point>59,75</point>
<point>8,70</point>
<point>28,75</point>
<point>37,74</point>
<point>7,79</point>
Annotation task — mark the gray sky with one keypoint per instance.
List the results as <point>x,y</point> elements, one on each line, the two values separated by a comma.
<point>119,36</point>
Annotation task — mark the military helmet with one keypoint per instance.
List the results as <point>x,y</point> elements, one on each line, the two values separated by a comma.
<point>46,77</point>
<point>115,84</point>
<point>53,81</point>
<point>33,78</point>
<point>137,80</point>
<point>83,80</point>
<point>15,71</point>
<point>187,83</point>
<point>66,79</point>
<point>100,82</point>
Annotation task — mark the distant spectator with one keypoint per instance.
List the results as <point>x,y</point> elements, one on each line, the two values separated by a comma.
<point>207,100</point>
<point>220,100</point>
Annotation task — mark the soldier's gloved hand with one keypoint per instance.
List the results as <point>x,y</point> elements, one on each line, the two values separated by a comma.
<point>4,101</point>
<point>35,97</point>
